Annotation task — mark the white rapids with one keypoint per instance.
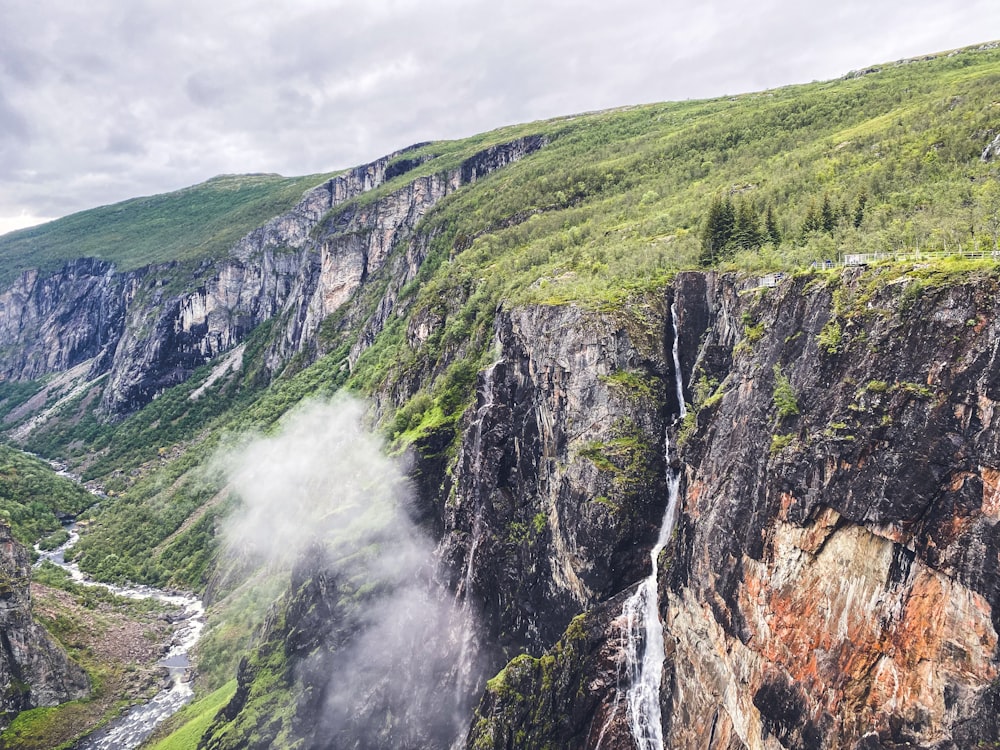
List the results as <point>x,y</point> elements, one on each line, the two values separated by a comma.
<point>132,728</point>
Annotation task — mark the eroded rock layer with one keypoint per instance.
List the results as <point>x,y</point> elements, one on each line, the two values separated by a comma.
<point>832,579</point>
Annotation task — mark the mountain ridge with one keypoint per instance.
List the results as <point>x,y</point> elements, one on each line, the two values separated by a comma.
<point>504,304</point>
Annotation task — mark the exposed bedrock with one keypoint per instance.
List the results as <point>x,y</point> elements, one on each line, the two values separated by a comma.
<point>832,581</point>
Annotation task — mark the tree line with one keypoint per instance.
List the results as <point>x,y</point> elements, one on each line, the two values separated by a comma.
<point>744,224</point>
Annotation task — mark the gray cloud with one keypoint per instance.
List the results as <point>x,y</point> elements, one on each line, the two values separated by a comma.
<point>125,144</point>
<point>12,124</point>
<point>187,89</point>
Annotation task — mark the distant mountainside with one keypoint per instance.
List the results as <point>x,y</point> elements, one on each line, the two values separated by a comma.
<point>202,221</point>
<point>564,327</point>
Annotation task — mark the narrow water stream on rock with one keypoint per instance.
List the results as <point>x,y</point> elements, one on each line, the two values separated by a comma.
<point>466,676</point>
<point>643,630</point>
<point>129,730</point>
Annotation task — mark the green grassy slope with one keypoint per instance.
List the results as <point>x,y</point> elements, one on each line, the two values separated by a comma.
<point>608,210</point>
<point>625,191</point>
<point>619,199</point>
<point>618,202</point>
<point>194,719</point>
<point>198,221</point>
<point>612,207</point>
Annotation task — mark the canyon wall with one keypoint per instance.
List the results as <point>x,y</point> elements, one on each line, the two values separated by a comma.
<point>831,581</point>
<point>147,330</point>
<point>34,670</point>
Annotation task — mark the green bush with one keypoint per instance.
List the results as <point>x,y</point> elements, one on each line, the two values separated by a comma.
<point>829,337</point>
<point>785,401</point>
<point>780,442</point>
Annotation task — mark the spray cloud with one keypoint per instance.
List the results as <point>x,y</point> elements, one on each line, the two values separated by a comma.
<point>374,634</point>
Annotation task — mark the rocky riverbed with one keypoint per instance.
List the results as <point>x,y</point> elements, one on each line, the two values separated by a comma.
<point>129,642</point>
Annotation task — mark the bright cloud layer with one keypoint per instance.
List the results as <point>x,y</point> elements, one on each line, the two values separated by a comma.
<point>108,100</point>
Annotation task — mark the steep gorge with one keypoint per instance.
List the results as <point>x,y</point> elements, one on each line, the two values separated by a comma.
<point>831,582</point>
<point>831,579</point>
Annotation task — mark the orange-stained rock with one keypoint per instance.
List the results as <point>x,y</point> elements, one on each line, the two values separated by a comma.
<point>991,491</point>
<point>862,646</point>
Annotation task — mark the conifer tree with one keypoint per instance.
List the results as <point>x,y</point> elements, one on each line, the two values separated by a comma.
<point>828,217</point>
<point>859,210</point>
<point>747,234</point>
<point>813,221</point>
<point>717,233</point>
<point>771,230</point>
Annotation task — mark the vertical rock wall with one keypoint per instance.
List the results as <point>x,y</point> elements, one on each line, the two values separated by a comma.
<point>832,580</point>
<point>560,471</point>
<point>34,670</point>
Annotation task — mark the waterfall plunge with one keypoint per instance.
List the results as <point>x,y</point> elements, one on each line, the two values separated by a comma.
<point>643,629</point>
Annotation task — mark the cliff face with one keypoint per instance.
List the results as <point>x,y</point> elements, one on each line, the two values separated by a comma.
<point>34,670</point>
<point>533,532</point>
<point>560,470</point>
<point>847,553</point>
<point>148,329</point>
<point>270,272</point>
<point>831,581</point>
<point>53,324</point>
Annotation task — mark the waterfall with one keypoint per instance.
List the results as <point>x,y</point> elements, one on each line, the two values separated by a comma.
<point>466,675</point>
<point>643,630</point>
<point>477,470</point>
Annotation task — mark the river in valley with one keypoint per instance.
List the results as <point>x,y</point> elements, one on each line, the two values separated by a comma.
<point>131,729</point>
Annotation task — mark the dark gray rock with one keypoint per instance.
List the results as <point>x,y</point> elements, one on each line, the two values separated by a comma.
<point>34,670</point>
<point>832,578</point>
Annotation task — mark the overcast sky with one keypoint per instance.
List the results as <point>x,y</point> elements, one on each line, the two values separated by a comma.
<point>109,99</point>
